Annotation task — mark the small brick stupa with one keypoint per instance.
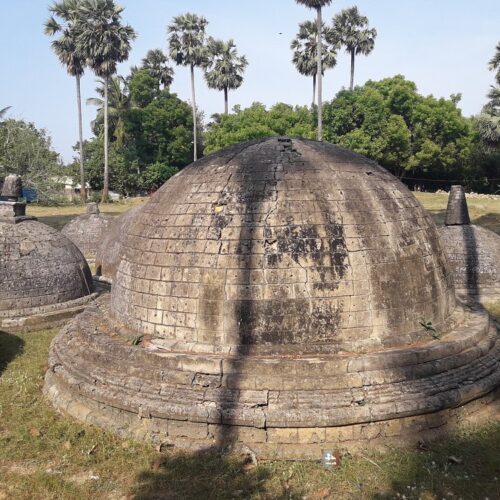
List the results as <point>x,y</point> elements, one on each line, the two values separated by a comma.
<point>283,295</point>
<point>473,251</point>
<point>86,231</point>
<point>44,279</point>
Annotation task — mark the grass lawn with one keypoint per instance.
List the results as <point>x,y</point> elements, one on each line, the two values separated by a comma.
<point>46,455</point>
<point>59,216</point>
<point>483,211</point>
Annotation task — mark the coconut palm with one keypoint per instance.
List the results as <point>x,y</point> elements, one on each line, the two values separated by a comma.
<point>105,42</point>
<point>304,47</point>
<point>187,48</point>
<point>351,30</point>
<point>494,64</point>
<point>3,111</point>
<point>118,104</point>
<point>318,5</point>
<point>156,63</point>
<point>64,21</point>
<point>225,68</point>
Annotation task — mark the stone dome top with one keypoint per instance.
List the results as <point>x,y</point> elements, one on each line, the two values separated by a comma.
<point>39,267</point>
<point>285,243</point>
<point>87,230</point>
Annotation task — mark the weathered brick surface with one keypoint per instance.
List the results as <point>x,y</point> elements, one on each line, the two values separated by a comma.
<point>278,288</point>
<point>474,256</point>
<point>40,271</point>
<point>108,254</point>
<point>87,231</point>
<point>288,243</point>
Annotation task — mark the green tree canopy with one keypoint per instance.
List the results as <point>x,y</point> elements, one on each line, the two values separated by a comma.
<point>257,121</point>
<point>27,151</point>
<point>390,122</point>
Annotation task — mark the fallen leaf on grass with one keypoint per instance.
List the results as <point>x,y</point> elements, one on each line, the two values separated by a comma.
<point>454,460</point>
<point>35,432</point>
<point>320,494</point>
<point>157,462</point>
<point>67,445</point>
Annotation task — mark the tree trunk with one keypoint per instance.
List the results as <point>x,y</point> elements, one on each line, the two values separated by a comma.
<point>83,190</point>
<point>314,91</point>
<point>226,105</point>
<point>352,69</point>
<point>195,131</point>
<point>319,75</point>
<point>105,189</point>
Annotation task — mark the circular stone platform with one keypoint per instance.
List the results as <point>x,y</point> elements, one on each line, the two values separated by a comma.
<point>274,295</point>
<point>44,279</point>
<point>87,230</point>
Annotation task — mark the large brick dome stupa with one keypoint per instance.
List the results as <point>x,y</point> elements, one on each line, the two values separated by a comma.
<point>282,294</point>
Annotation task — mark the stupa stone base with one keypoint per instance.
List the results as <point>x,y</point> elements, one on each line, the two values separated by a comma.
<point>281,405</point>
<point>41,317</point>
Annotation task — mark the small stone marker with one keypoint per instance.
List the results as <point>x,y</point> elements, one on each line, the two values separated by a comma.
<point>93,208</point>
<point>457,213</point>
<point>12,188</point>
<point>330,459</point>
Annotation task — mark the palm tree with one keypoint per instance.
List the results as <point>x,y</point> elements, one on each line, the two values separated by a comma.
<point>118,104</point>
<point>494,64</point>
<point>187,48</point>
<point>304,47</point>
<point>105,42</point>
<point>225,68</point>
<point>65,48</point>
<point>156,63</point>
<point>3,111</point>
<point>318,5</point>
<point>350,29</point>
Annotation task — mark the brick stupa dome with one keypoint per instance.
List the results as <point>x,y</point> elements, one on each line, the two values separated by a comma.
<point>108,254</point>
<point>87,230</point>
<point>473,251</point>
<point>284,294</point>
<point>44,278</point>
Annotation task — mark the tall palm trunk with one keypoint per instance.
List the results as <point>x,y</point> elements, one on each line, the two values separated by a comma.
<point>105,189</point>
<point>226,104</point>
<point>319,75</point>
<point>352,69</point>
<point>83,190</point>
<point>195,131</point>
<point>314,91</point>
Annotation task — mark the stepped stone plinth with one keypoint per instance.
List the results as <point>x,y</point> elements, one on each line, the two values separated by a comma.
<point>44,279</point>
<point>473,251</point>
<point>283,295</point>
<point>87,230</point>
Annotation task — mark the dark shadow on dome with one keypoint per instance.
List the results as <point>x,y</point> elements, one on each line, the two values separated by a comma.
<point>471,262</point>
<point>11,346</point>
<point>246,310</point>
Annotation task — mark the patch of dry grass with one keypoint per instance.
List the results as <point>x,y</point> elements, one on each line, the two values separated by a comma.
<point>483,211</point>
<point>45,455</point>
<point>57,217</point>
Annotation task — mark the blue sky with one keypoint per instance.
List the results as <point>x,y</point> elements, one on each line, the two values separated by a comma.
<point>442,45</point>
